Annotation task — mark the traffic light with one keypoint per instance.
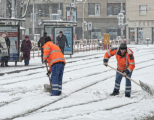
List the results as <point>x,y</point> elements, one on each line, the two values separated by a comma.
<point>40,12</point>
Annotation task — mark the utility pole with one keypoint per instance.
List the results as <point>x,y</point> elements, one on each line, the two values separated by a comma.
<point>121,11</point>
<point>83,21</point>
<point>33,20</point>
<point>72,16</point>
<point>13,12</point>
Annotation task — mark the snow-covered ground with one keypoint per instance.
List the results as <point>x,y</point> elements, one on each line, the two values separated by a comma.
<point>87,84</point>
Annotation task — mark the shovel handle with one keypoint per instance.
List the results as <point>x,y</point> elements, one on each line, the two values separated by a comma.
<point>48,75</point>
<point>126,76</point>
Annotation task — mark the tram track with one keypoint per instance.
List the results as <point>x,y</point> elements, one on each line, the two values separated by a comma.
<point>61,98</point>
<point>18,71</point>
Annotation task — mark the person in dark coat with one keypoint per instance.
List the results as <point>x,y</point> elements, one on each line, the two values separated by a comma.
<point>25,48</point>
<point>41,42</point>
<point>6,58</point>
<point>61,41</point>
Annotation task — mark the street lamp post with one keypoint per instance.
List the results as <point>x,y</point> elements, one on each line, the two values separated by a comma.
<point>120,19</point>
<point>13,12</point>
<point>83,21</point>
<point>33,20</point>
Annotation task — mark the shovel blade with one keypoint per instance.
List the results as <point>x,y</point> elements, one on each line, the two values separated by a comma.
<point>47,88</point>
<point>146,88</point>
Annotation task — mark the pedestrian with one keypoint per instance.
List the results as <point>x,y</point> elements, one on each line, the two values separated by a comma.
<point>6,58</point>
<point>41,43</point>
<point>125,64</point>
<point>61,41</point>
<point>56,62</point>
<point>26,48</point>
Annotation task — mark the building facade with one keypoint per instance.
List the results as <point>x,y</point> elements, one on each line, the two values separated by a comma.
<point>101,15</point>
<point>140,20</point>
<point>3,8</point>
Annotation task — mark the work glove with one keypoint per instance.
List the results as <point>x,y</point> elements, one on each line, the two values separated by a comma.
<point>125,72</point>
<point>44,61</point>
<point>48,73</point>
<point>105,62</point>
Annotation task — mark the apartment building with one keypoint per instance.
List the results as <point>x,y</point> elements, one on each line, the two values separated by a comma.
<point>101,14</point>
<point>140,20</point>
<point>3,8</point>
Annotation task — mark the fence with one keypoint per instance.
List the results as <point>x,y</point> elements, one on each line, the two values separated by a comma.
<point>80,46</point>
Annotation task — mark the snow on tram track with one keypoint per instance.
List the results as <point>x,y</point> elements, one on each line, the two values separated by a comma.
<point>30,111</point>
<point>18,71</point>
<point>33,110</point>
<point>33,72</point>
<point>7,83</point>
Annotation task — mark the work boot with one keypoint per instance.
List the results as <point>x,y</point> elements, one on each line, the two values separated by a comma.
<point>6,66</point>
<point>127,96</point>
<point>114,94</point>
<point>2,64</point>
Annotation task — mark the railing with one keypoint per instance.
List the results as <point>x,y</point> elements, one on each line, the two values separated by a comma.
<point>80,46</point>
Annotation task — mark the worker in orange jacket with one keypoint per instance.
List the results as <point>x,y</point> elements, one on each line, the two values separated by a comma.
<point>56,61</point>
<point>125,64</point>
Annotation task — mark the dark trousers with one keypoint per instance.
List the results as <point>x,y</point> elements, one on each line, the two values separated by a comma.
<point>5,60</point>
<point>26,62</point>
<point>56,78</point>
<point>62,49</point>
<point>118,81</point>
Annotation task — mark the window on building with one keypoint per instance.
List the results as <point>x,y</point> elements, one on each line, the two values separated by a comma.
<point>114,32</point>
<point>55,7</point>
<point>143,9</point>
<point>44,8</point>
<point>96,33</point>
<point>140,35</point>
<point>132,35</point>
<point>114,9</point>
<point>94,9</point>
<point>29,10</point>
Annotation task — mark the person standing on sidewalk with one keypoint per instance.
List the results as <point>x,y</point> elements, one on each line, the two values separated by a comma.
<point>41,42</point>
<point>26,48</point>
<point>56,62</point>
<point>125,64</point>
<point>6,58</point>
<point>61,41</point>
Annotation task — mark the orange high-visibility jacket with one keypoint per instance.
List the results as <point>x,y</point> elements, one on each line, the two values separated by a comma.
<point>125,61</point>
<point>52,54</point>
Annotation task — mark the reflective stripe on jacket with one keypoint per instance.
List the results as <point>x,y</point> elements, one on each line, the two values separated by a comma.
<point>125,61</point>
<point>52,54</point>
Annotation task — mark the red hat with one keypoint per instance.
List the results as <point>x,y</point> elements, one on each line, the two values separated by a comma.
<point>26,36</point>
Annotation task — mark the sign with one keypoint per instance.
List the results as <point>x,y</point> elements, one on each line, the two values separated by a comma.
<point>106,39</point>
<point>13,34</point>
<point>89,25</point>
<point>59,12</point>
<point>72,4</point>
<point>68,32</point>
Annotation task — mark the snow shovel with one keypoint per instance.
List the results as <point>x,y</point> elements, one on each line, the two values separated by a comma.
<point>48,88</point>
<point>144,86</point>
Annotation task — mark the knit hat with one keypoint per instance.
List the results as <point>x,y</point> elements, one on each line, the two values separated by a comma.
<point>47,39</point>
<point>26,36</point>
<point>60,32</point>
<point>45,33</point>
<point>123,46</point>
